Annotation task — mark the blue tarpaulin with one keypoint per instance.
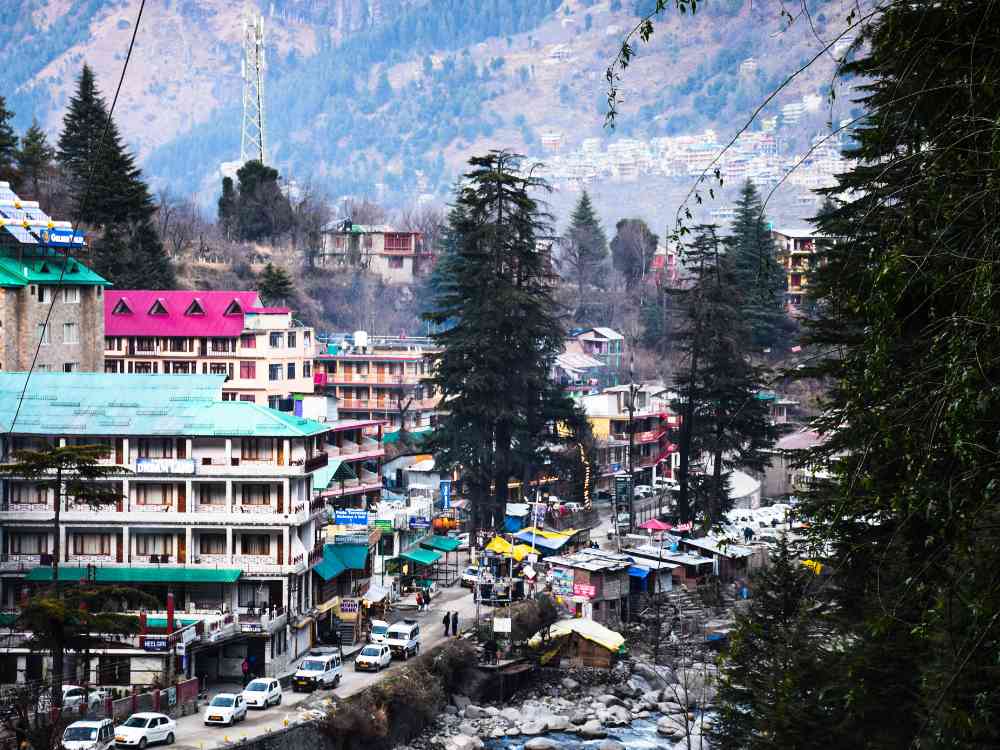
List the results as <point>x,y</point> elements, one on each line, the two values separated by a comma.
<point>638,572</point>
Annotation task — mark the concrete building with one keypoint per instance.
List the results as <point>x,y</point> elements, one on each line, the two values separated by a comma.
<point>265,355</point>
<point>379,377</point>
<point>398,257</point>
<point>50,303</point>
<point>604,344</point>
<point>796,250</point>
<point>219,507</point>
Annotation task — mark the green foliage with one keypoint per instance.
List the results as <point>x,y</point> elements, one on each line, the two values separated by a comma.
<point>8,142</point>
<point>758,275</point>
<point>227,209</point>
<point>259,210</point>
<point>275,286</point>
<point>34,158</point>
<point>632,250</point>
<point>724,425</point>
<point>585,251</point>
<point>500,334</point>
<point>131,254</point>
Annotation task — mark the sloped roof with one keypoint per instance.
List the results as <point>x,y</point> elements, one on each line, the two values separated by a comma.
<point>139,322</point>
<point>99,404</point>
<point>588,629</point>
<point>46,268</point>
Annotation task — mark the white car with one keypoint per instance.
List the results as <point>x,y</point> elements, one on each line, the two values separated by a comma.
<point>89,735</point>
<point>470,576</point>
<point>262,693</point>
<point>226,708</point>
<point>372,658</point>
<point>73,697</point>
<point>573,507</point>
<point>379,628</point>
<point>144,729</point>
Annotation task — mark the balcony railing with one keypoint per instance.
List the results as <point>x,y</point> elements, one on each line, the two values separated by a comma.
<point>317,462</point>
<point>20,561</point>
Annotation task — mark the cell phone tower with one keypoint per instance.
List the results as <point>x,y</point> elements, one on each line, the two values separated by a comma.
<point>253,143</point>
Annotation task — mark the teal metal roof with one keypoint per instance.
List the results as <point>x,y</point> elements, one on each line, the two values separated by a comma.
<point>335,469</point>
<point>165,574</point>
<point>99,404</point>
<point>330,566</point>
<point>440,543</point>
<point>46,268</point>
<point>340,557</point>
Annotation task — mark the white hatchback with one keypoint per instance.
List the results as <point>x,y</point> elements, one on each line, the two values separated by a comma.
<point>262,693</point>
<point>226,708</point>
<point>372,658</point>
<point>142,729</point>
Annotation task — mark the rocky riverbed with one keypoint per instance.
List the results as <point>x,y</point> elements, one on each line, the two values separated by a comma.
<point>624,709</point>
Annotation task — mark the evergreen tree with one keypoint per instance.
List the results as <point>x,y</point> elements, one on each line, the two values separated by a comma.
<point>724,425</point>
<point>585,251</point>
<point>34,158</point>
<point>8,143</point>
<point>632,250</point>
<point>758,274</point>
<point>262,210</point>
<point>131,255</point>
<point>228,209</point>
<point>769,694</point>
<point>275,285</point>
<point>500,334</point>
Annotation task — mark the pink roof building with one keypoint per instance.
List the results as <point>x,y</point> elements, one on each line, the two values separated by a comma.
<point>140,312</point>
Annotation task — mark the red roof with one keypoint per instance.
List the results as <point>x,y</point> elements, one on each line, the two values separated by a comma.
<point>141,312</point>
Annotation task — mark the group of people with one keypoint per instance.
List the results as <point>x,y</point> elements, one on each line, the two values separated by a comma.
<point>450,622</point>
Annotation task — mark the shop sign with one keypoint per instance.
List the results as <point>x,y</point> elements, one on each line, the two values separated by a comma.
<point>251,627</point>
<point>419,522</point>
<point>164,466</point>
<point>351,517</point>
<point>501,624</point>
<point>446,494</point>
<point>349,605</point>
<point>154,643</point>
<point>584,589</point>
<point>562,581</point>
<point>385,524</point>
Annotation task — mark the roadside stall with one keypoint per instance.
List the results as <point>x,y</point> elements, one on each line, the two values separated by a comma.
<point>579,643</point>
<point>444,573</point>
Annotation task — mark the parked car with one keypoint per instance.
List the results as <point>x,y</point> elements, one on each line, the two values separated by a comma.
<point>603,496</point>
<point>226,708</point>
<point>573,507</point>
<point>262,693</point>
<point>144,729</point>
<point>377,634</point>
<point>372,658</point>
<point>469,576</point>
<point>404,639</point>
<point>73,697</point>
<point>320,669</point>
<point>89,735</point>
<point>643,490</point>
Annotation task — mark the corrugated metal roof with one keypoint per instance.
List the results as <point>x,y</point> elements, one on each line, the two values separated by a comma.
<point>99,404</point>
<point>165,574</point>
<point>45,267</point>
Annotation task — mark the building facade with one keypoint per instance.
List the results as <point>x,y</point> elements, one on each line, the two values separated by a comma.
<point>379,378</point>
<point>216,506</point>
<point>51,305</point>
<point>398,257</point>
<point>264,354</point>
<point>796,249</point>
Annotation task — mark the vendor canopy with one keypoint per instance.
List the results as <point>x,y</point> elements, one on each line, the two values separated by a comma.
<point>500,546</point>
<point>588,629</point>
<point>655,524</point>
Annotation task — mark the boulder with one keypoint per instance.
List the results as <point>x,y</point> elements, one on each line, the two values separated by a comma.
<point>464,742</point>
<point>510,715</point>
<point>532,727</point>
<point>668,726</point>
<point>450,709</point>
<point>650,699</point>
<point>618,716</point>
<point>670,708</point>
<point>579,717</point>
<point>493,711</point>
<point>541,743</point>
<point>460,701</point>
<point>556,723</point>
<point>593,730</point>
<point>611,700</point>
<point>473,711</point>
<point>639,684</point>
<point>568,683</point>
<point>611,745</point>
<point>657,677</point>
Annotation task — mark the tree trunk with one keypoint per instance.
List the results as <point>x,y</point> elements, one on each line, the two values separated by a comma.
<point>687,427</point>
<point>717,488</point>
<point>501,474</point>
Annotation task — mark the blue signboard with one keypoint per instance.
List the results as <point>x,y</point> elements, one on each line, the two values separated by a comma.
<point>417,522</point>
<point>61,237</point>
<point>351,517</point>
<point>446,494</point>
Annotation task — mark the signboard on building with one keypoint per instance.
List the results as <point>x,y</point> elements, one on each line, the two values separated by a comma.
<point>501,625</point>
<point>419,522</point>
<point>384,524</point>
<point>622,487</point>
<point>60,237</point>
<point>446,494</point>
<point>181,649</point>
<point>351,517</point>
<point>164,466</point>
<point>251,627</point>
<point>562,581</point>
<point>154,643</point>
<point>584,589</point>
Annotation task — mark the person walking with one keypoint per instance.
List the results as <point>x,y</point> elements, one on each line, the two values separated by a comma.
<point>446,621</point>
<point>420,601</point>
<point>454,624</point>
<point>245,666</point>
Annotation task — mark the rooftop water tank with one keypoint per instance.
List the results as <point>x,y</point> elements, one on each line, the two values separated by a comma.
<point>360,339</point>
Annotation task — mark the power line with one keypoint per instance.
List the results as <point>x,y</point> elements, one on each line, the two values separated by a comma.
<point>88,185</point>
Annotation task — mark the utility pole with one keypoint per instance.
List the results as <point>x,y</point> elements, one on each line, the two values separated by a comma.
<point>633,389</point>
<point>253,144</point>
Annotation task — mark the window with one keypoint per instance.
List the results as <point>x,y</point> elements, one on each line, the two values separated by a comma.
<point>274,372</point>
<point>209,495</point>
<point>248,370</point>
<point>256,494</point>
<point>397,242</point>
<point>276,340</point>
<point>42,295</point>
<point>257,449</point>
<point>71,295</point>
<point>306,339</point>
<point>228,396</point>
<point>248,397</point>
<point>256,544</point>
<point>154,544</point>
<point>26,494</point>
<point>252,594</point>
<point>29,544</point>
<point>43,333</point>
<point>92,544</point>
<point>272,401</point>
<point>291,371</point>
<point>306,369</point>
<point>223,345</point>
<point>145,344</point>
<point>177,344</point>
<point>71,367</point>
<point>212,544</point>
<point>218,368</point>
<point>291,340</point>
<point>43,368</point>
<point>153,494</point>
<point>248,341</point>
<point>142,368</point>
<point>156,448</point>
<point>395,262</point>
<point>71,333</point>
<point>114,669</point>
<point>158,308</point>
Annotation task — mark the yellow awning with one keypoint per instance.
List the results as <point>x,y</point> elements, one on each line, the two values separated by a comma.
<point>501,546</point>
<point>328,605</point>
<point>545,534</point>
<point>588,629</point>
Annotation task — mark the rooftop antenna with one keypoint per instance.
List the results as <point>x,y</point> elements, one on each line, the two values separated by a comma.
<point>253,145</point>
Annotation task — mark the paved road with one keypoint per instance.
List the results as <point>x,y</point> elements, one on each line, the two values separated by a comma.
<point>194,735</point>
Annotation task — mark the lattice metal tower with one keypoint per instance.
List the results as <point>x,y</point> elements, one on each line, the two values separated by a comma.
<point>253,144</point>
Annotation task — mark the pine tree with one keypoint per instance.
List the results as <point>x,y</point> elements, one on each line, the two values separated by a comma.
<point>724,425</point>
<point>228,209</point>
<point>262,210</point>
<point>34,159</point>
<point>585,252</point>
<point>131,255</point>
<point>275,285</point>
<point>632,250</point>
<point>768,694</point>
<point>500,334</point>
<point>759,276</point>
<point>8,143</point>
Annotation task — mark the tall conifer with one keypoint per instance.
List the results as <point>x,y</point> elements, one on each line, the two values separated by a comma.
<point>8,143</point>
<point>34,159</point>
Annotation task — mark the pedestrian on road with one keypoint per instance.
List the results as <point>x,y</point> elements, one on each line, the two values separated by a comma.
<point>446,621</point>
<point>420,601</point>
<point>246,671</point>
<point>454,624</point>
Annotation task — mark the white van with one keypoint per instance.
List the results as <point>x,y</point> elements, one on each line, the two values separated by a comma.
<point>320,669</point>
<point>89,735</point>
<point>404,638</point>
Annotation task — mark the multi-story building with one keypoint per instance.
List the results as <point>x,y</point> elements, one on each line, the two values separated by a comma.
<point>51,305</point>
<point>652,420</point>
<point>265,355</point>
<point>603,344</point>
<point>796,249</point>
<point>398,257</point>
<point>218,505</point>
<point>379,378</point>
